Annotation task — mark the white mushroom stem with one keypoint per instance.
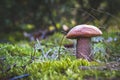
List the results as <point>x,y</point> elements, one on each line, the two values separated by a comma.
<point>83,48</point>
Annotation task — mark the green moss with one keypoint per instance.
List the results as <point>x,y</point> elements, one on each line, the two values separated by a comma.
<point>26,58</point>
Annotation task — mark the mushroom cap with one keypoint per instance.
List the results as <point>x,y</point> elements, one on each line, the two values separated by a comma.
<point>83,31</point>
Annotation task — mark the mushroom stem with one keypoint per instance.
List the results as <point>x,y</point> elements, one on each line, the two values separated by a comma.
<point>83,48</point>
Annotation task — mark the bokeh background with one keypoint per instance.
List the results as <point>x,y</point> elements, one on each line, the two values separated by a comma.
<point>19,17</point>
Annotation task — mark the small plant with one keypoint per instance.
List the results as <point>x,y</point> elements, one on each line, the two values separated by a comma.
<point>50,54</point>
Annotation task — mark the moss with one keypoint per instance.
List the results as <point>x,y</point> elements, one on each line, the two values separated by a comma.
<point>40,63</point>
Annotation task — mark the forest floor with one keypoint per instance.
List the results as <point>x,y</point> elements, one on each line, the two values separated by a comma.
<point>54,59</point>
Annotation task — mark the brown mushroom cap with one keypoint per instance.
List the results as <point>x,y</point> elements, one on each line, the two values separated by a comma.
<point>83,31</point>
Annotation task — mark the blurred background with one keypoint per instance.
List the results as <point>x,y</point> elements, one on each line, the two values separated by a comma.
<point>29,19</point>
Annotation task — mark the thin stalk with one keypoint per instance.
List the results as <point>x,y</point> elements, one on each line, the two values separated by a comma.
<point>60,45</point>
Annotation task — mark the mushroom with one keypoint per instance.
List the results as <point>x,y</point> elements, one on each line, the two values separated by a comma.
<point>83,34</point>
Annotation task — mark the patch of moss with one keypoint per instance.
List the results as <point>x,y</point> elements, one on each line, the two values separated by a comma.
<point>37,60</point>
